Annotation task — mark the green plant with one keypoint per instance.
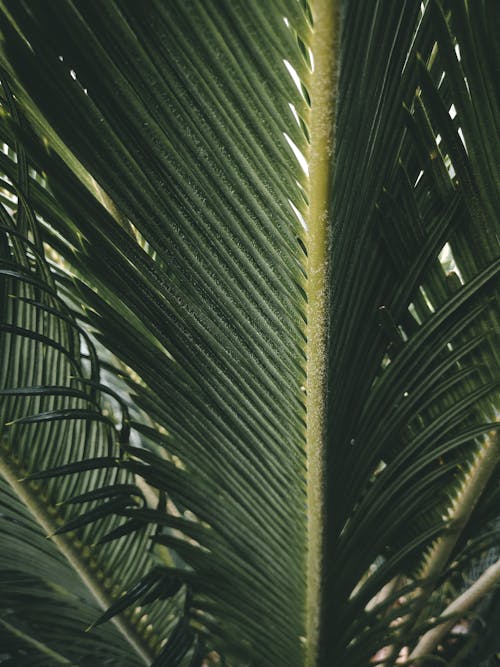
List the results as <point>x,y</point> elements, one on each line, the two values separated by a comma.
<point>249,329</point>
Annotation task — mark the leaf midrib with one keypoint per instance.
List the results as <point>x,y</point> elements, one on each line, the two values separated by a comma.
<point>322,87</point>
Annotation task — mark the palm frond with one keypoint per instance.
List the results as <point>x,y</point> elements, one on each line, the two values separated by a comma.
<point>207,245</point>
<point>51,394</point>
<point>308,360</point>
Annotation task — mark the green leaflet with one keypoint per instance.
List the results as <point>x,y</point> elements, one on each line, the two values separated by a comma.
<point>305,366</point>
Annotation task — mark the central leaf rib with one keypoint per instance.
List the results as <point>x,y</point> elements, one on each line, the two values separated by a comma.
<point>322,89</point>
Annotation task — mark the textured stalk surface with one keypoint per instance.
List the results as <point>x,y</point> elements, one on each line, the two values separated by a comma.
<point>322,88</point>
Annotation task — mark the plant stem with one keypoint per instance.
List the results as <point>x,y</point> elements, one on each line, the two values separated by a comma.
<point>74,556</point>
<point>464,503</point>
<point>322,88</point>
<point>464,603</point>
<point>472,489</point>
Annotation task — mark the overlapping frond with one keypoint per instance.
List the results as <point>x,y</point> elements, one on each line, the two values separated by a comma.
<point>45,605</point>
<point>194,259</point>
<point>60,467</point>
<point>414,345</point>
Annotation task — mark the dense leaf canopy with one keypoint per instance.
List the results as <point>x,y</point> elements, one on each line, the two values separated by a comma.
<point>249,320</point>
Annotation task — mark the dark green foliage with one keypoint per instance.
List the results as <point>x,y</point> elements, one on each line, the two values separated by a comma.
<point>153,327</point>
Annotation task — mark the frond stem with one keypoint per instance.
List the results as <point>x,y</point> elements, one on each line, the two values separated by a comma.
<point>322,88</point>
<point>460,606</point>
<point>466,500</point>
<point>472,489</point>
<point>80,564</point>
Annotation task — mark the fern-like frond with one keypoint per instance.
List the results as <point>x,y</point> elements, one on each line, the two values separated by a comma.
<point>75,493</point>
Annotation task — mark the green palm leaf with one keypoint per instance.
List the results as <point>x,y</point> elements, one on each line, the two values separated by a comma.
<point>249,324</point>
